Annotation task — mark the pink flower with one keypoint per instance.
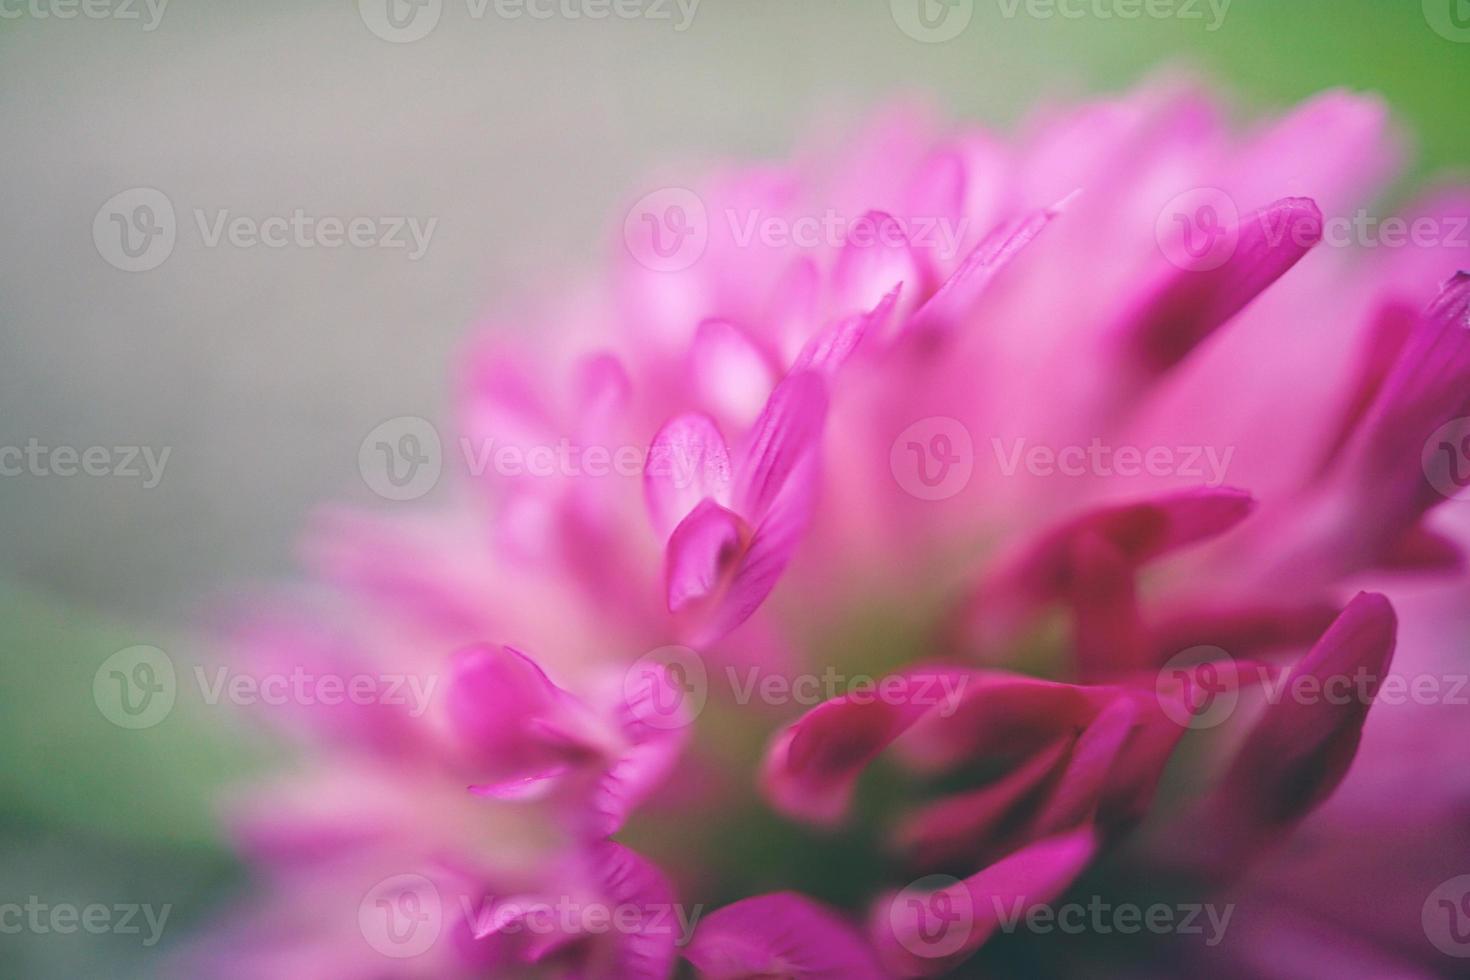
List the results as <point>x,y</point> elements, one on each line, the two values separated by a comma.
<point>897,544</point>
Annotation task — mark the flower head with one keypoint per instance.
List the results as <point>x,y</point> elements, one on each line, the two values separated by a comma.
<point>873,557</point>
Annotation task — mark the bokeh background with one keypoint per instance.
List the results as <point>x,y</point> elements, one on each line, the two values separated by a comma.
<point>261,370</point>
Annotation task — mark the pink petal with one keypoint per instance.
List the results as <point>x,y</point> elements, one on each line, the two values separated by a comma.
<point>702,554</point>
<point>647,950</point>
<point>687,462</point>
<point>788,430</point>
<point>731,372</point>
<point>981,824</point>
<point>1192,304</point>
<point>953,301</point>
<point>513,721</point>
<point>874,259</point>
<point>1428,386</point>
<point>1303,744</point>
<point>767,556</point>
<point>781,935</point>
<point>969,912</point>
<point>811,769</point>
<point>830,348</point>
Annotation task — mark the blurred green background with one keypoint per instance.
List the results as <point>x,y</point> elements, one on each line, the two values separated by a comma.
<point>263,371</point>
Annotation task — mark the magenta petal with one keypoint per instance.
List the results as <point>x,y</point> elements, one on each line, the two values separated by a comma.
<point>1428,386</point>
<point>781,935</point>
<point>648,949</point>
<point>702,553</point>
<point>1192,304</point>
<point>766,557</point>
<point>955,299</point>
<point>687,462</point>
<point>830,348</point>
<point>969,912</point>
<point>1305,741</point>
<point>980,824</point>
<point>788,430</point>
<point>812,767</point>
<point>512,720</point>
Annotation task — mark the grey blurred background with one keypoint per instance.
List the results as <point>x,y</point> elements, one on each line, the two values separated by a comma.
<point>261,370</point>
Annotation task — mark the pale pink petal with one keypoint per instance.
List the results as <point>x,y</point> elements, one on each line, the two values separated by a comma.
<point>687,462</point>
